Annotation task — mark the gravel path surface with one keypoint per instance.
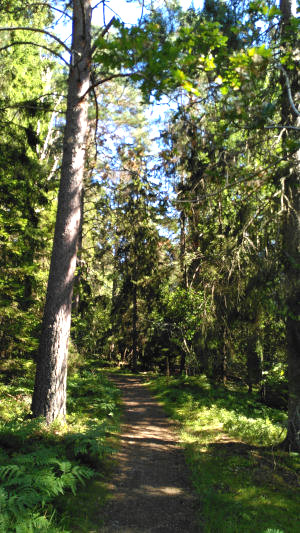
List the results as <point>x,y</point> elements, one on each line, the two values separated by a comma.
<point>151,491</point>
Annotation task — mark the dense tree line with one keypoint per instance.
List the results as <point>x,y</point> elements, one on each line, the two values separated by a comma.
<point>198,276</point>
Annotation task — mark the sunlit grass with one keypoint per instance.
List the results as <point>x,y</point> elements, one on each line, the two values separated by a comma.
<point>244,485</point>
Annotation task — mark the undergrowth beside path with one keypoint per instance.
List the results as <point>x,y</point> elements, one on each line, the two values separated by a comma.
<point>44,470</point>
<point>245,485</point>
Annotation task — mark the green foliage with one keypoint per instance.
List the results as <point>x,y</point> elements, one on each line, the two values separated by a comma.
<point>30,481</point>
<point>25,184</point>
<point>233,411</point>
<point>159,56</point>
<point>41,466</point>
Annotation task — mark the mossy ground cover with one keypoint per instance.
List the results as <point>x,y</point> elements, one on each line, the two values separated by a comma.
<point>51,478</point>
<point>245,484</point>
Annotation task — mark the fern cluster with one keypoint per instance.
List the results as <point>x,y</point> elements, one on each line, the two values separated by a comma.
<point>91,444</point>
<point>41,465</point>
<point>29,482</point>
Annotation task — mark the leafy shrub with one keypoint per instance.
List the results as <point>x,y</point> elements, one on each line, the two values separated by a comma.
<point>261,431</point>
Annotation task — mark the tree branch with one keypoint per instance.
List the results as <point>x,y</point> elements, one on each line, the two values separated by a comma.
<point>278,126</point>
<point>35,44</point>
<point>37,30</point>
<point>142,13</point>
<point>289,91</point>
<point>108,78</point>
<point>45,4</point>
<point>103,32</point>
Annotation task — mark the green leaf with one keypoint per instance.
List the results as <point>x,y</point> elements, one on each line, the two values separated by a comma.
<point>273,11</point>
<point>179,75</point>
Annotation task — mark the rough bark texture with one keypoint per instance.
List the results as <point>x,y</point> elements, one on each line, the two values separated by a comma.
<point>291,241</point>
<point>49,397</point>
<point>78,277</point>
<point>292,251</point>
<point>134,322</point>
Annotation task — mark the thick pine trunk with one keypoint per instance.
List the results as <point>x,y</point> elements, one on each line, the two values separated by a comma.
<point>134,325</point>
<point>293,327</point>
<point>182,252</point>
<point>49,396</point>
<point>78,277</point>
<point>291,239</point>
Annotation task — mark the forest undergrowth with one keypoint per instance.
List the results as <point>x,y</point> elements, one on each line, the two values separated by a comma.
<point>51,478</point>
<point>245,483</point>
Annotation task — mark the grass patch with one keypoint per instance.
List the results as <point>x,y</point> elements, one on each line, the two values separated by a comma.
<point>244,484</point>
<point>44,470</point>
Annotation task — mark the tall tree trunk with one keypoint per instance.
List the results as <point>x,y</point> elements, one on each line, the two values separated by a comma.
<point>49,396</point>
<point>134,323</point>
<point>183,269</point>
<point>78,277</point>
<point>291,236</point>
<point>182,251</point>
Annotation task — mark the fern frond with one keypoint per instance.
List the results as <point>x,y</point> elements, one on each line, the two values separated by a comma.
<point>11,472</point>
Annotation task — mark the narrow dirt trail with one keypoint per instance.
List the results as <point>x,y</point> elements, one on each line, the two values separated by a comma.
<point>151,491</point>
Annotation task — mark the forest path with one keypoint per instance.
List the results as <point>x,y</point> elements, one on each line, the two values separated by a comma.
<point>150,489</point>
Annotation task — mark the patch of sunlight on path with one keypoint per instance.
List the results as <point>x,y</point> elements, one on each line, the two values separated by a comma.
<point>150,490</point>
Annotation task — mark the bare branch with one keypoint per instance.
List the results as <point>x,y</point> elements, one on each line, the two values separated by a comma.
<point>38,30</point>
<point>35,44</point>
<point>45,4</point>
<point>97,113</point>
<point>98,4</point>
<point>289,91</point>
<point>142,13</point>
<point>278,126</point>
<point>103,32</point>
<point>108,78</point>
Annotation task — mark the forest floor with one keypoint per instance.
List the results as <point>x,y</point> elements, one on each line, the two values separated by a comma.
<point>150,491</point>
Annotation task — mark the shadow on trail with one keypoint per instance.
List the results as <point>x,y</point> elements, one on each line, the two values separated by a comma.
<point>150,490</point>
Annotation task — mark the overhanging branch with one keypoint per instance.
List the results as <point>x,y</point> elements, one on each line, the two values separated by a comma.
<point>45,4</point>
<point>108,78</point>
<point>38,30</point>
<point>15,43</point>
<point>103,32</point>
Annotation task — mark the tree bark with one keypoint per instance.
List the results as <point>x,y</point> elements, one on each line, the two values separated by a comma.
<point>49,396</point>
<point>78,276</point>
<point>182,252</point>
<point>291,238</point>
<point>134,323</point>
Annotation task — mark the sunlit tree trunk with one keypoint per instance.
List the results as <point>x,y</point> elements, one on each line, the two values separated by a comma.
<point>78,277</point>
<point>49,397</point>
<point>291,235</point>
